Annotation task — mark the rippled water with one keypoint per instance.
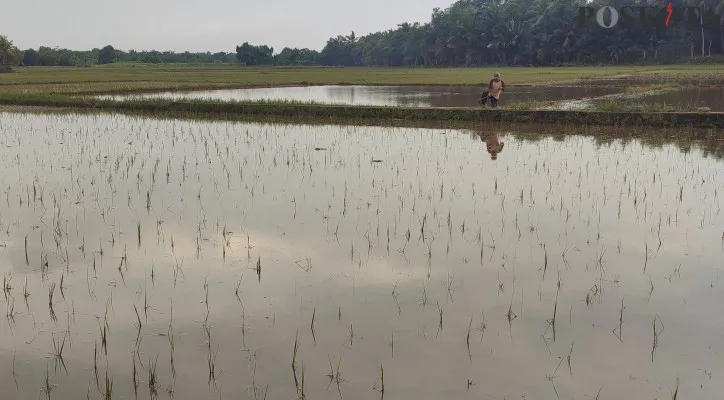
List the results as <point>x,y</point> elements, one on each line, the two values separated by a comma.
<point>408,96</point>
<point>566,267</point>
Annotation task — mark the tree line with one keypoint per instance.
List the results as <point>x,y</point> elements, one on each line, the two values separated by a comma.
<point>468,33</point>
<point>538,32</point>
<point>46,56</point>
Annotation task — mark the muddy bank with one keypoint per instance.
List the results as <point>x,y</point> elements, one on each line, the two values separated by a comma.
<point>526,129</point>
<point>657,119</point>
<point>616,119</point>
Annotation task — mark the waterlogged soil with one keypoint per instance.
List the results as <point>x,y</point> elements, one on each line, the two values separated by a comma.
<point>690,98</point>
<point>404,96</point>
<point>201,260</point>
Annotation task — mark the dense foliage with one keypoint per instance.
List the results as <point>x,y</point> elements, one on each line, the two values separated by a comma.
<point>468,33</point>
<point>9,54</point>
<point>47,56</point>
<point>530,32</point>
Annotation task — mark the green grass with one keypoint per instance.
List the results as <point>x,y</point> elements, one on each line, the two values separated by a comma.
<point>530,105</point>
<point>137,78</point>
<point>67,87</point>
<point>650,88</point>
<point>627,113</point>
<point>638,105</point>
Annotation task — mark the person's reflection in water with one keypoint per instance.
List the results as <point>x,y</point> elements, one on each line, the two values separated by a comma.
<point>493,143</point>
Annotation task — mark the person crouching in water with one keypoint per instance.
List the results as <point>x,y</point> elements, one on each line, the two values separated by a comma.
<point>495,89</point>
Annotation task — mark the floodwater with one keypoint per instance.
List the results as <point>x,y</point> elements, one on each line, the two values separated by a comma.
<point>404,96</point>
<point>226,260</point>
<point>712,97</point>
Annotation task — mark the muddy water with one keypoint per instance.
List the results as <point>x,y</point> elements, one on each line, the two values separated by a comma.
<point>406,96</point>
<point>690,97</point>
<point>204,251</point>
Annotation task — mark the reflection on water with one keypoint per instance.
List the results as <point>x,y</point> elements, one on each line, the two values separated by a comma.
<point>207,252</point>
<point>407,96</point>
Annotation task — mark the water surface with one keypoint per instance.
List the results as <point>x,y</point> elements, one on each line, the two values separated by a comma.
<point>567,267</point>
<point>690,98</point>
<point>405,96</point>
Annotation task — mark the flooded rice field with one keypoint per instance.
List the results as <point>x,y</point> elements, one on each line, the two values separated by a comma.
<point>402,96</point>
<point>148,258</point>
<point>712,97</point>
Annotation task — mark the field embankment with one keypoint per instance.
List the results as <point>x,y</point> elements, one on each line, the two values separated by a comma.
<point>290,109</point>
<point>70,88</point>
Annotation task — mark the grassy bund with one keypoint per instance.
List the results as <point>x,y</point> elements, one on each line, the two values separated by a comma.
<point>280,109</point>
<point>68,88</point>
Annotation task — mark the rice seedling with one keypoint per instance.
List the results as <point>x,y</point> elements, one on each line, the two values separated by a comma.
<point>26,292</point>
<point>15,379</point>
<point>392,344</point>
<point>311,325</point>
<point>656,335</point>
<point>258,268</point>
<point>7,287</point>
<point>47,387</point>
<point>62,292</point>
<point>382,381</point>
<point>135,376</point>
<point>510,316</point>
<point>552,320</point>
<point>568,359</point>
<point>294,360</point>
<point>467,339</point>
<point>334,375</point>
<point>395,295</point>
<point>51,290</point>
<point>619,327</point>
<point>172,344</point>
<point>153,383</point>
<point>676,390</point>
<point>557,197</point>
<point>108,391</point>
<point>423,297</point>
<point>95,364</point>
<point>58,347</point>
<point>104,338</point>
<point>211,358</point>
<point>11,313</point>
<point>351,335</point>
<point>439,327</point>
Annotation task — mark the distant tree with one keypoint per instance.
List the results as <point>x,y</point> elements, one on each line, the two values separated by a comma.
<point>8,52</point>
<point>289,56</point>
<point>107,55</point>
<point>248,54</point>
<point>31,58</point>
<point>471,33</point>
<point>530,32</point>
<point>48,57</point>
<point>151,58</point>
<point>340,51</point>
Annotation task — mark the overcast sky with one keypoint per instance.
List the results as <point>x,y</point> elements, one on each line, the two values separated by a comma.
<point>201,25</point>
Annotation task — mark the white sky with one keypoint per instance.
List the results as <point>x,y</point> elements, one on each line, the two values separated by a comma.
<point>201,25</point>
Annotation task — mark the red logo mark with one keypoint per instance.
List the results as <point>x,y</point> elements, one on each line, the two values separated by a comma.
<point>670,10</point>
